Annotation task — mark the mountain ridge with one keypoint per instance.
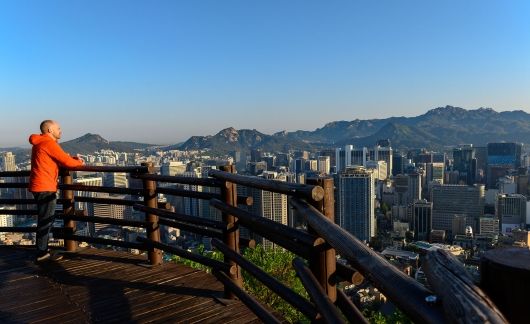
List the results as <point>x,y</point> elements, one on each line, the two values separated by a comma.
<point>437,128</point>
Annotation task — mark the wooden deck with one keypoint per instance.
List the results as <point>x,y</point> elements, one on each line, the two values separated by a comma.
<point>101,286</point>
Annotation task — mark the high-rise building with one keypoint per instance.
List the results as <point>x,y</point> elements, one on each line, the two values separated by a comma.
<point>502,157</point>
<point>106,210</point>
<point>510,209</point>
<point>324,164</point>
<point>398,163</point>
<point>355,199</point>
<point>270,160</point>
<point>115,179</point>
<point>298,165</point>
<point>311,165</point>
<point>256,168</point>
<point>465,163</point>
<point>382,153</point>
<point>340,158</point>
<point>172,168</point>
<point>459,225</point>
<point>401,185</point>
<point>359,156</point>
<point>331,154</point>
<point>435,172</point>
<point>379,168</point>
<point>283,159</point>
<point>451,200</point>
<point>256,155</point>
<point>270,205</point>
<point>7,161</point>
<point>88,180</point>
<point>421,219</point>
<point>414,187</point>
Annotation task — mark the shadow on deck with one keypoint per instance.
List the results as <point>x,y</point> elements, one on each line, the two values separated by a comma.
<point>95,285</point>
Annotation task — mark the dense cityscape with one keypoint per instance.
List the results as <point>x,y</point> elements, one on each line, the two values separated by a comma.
<point>401,203</point>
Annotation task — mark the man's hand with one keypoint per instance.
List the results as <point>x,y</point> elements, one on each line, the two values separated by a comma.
<point>79,159</point>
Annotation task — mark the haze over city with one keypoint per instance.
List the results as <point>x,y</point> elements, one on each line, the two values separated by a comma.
<point>136,71</point>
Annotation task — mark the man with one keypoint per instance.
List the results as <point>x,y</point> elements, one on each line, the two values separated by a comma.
<point>46,158</point>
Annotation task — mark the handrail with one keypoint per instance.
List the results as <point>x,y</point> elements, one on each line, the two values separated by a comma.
<point>463,301</point>
<point>181,217</point>
<point>272,283</point>
<point>392,282</point>
<point>106,168</point>
<point>218,265</point>
<point>113,190</point>
<point>402,290</point>
<point>315,193</point>
<point>248,300</point>
<point>208,182</point>
<point>318,295</point>
<point>104,220</point>
<point>14,174</point>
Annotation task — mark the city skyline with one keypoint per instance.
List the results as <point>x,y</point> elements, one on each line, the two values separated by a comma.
<point>160,74</point>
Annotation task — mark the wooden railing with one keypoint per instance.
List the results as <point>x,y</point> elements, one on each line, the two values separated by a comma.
<point>316,264</point>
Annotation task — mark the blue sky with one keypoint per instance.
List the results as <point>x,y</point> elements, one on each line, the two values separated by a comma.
<point>161,71</point>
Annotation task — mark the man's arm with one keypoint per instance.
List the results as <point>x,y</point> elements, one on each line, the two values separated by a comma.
<point>63,159</point>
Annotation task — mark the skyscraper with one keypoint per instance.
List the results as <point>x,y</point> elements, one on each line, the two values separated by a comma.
<point>270,205</point>
<point>383,152</point>
<point>355,197</point>
<point>465,163</point>
<point>501,158</point>
<point>421,219</point>
<point>115,179</point>
<point>510,210</point>
<point>451,200</point>
<point>324,164</point>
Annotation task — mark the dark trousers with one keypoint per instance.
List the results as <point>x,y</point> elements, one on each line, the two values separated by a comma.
<point>46,202</point>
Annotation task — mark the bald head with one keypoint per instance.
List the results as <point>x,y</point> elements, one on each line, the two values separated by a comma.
<point>51,128</point>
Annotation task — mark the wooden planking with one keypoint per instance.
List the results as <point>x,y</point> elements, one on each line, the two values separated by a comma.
<point>95,285</point>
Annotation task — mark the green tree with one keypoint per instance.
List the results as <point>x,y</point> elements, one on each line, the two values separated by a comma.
<point>277,263</point>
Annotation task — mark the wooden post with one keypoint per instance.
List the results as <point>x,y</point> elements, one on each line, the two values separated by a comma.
<point>505,277</point>
<point>68,209</point>
<point>153,230</point>
<point>323,264</point>
<point>231,235</point>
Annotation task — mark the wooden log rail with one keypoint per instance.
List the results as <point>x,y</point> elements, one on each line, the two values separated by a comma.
<point>258,309</point>
<point>273,284</point>
<point>14,174</point>
<point>314,193</point>
<point>325,306</point>
<point>463,301</point>
<point>402,290</point>
<point>296,241</point>
<point>214,264</point>
<point>182,217</point>
<point>208,182</point>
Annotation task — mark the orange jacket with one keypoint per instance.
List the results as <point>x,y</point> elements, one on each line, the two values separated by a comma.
<point>46,158</point>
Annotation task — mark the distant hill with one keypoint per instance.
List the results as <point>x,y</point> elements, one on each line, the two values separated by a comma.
<point>86,144</point>
<point>438,128</point>
<point>90,143</point>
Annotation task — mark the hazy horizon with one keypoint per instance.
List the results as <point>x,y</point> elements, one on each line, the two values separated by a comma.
<point>162,72</point>
<point>67,137</point>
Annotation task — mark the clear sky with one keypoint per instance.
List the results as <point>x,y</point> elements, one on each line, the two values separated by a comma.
<point>161,71</point>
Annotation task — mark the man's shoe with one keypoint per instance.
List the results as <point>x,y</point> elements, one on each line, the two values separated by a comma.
<point>49,257</point>
<point>43,257</point>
